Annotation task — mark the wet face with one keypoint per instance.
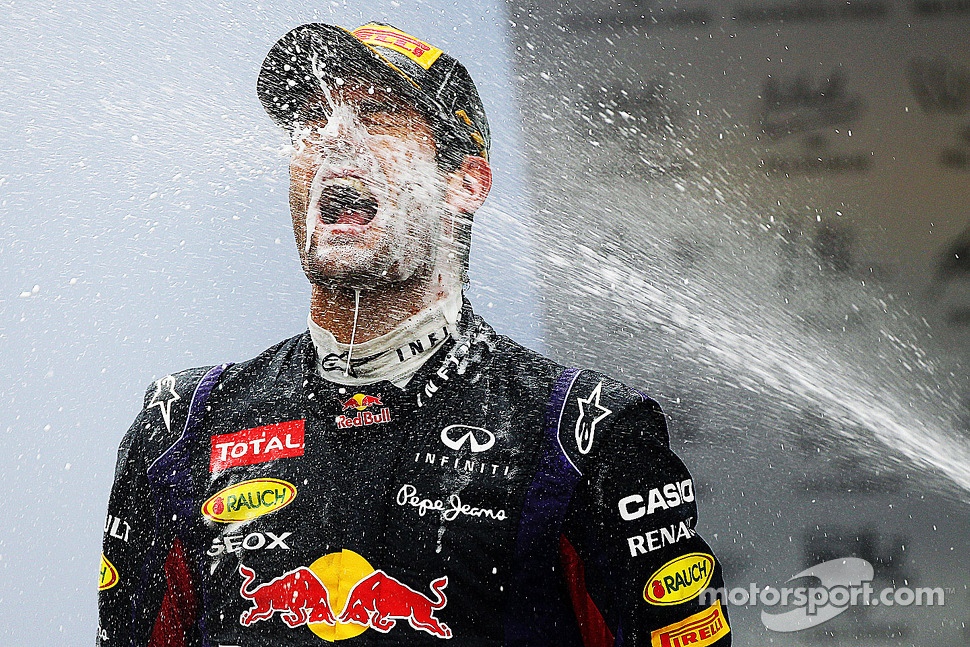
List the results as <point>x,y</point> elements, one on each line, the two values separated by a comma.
<point>366,195</point>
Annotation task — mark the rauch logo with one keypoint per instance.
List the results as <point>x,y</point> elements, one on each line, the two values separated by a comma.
<point>680,579</point>
<point>248,500</point>
<point>109,574</point>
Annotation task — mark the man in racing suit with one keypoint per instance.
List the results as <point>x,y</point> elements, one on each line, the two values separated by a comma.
<point>399,474</point>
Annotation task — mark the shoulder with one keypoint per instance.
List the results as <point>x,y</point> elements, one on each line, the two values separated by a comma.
<point>589,414</point>
<point>597,417</point>
<point>168,400</point>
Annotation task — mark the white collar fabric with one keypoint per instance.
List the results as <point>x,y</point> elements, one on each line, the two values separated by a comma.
<point>395,356</point>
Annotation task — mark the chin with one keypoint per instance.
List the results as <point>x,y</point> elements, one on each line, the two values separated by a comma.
<point>337,270</point>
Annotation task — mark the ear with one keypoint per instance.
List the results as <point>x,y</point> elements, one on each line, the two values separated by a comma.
<point>468,185</point>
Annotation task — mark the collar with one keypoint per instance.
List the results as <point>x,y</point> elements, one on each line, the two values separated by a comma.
<point>395,356</point>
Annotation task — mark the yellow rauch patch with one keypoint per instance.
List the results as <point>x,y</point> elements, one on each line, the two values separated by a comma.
<point>382,36</point>
<point>680,579</point>
<point>248,500</point>
<point>109,574</point>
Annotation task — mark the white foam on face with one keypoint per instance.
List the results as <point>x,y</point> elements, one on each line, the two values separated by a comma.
<point>343,127</point>
<point>403,178</point>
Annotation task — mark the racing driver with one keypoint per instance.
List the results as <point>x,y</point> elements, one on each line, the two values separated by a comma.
<point>398,474</point>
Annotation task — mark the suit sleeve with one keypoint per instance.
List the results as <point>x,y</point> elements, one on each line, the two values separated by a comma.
<point>635,567</point>
<point>145,590</point>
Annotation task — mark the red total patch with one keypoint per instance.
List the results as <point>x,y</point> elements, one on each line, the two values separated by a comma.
<point>257,445</point>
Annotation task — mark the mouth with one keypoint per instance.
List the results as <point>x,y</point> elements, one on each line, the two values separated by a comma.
<point>346,201</point>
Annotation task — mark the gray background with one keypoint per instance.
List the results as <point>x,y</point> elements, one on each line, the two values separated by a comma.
<point>760,219</point>
<point>802,331</point>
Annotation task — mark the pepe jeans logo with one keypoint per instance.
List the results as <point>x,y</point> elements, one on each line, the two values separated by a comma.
<point>478,439</point>
<point>450,509</point>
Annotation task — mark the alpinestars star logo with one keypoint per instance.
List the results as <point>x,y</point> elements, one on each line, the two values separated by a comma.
<point>590,413</point>
<point>164,396</point>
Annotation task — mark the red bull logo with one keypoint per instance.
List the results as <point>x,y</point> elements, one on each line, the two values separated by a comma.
<point>369,599</point>
<point>298,596</point>
<point>361,403</point>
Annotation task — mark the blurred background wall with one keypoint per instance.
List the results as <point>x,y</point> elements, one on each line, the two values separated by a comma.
<point>758,210</point>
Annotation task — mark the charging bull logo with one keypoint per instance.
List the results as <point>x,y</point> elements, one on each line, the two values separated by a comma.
<point>298,596</point>
<point>369,599</point>
<point>379,600</point>
<point>362,402</point>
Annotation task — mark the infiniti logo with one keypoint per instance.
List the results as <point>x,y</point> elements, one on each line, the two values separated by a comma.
<point>455,436</point>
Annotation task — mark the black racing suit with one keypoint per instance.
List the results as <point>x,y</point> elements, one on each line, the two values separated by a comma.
<point>498,499</point>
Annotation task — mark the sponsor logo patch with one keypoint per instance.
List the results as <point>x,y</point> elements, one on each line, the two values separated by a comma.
<point>257,445</point>
<point>477,439</point>
<point>109,574</point>
<point>248,500</point>
<point>450,509</point>
<point>591,412</point>
<point>117,528</point>
<point>698,630</point>
<point>164,397</point>
<point>680,579</point>
<point>361,403</point>
<point>665,497</point>
<point>252,541</point>
<point>660,537</point>
<point>382,36</point>
<point>369,599</point>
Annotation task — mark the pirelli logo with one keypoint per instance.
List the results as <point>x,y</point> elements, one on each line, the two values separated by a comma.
<point>381,36</point>
<point>699,630</point>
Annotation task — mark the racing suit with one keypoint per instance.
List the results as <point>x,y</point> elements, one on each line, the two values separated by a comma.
<point>497,499</point>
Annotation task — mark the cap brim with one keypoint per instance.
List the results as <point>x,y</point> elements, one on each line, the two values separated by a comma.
<point>313,53</point>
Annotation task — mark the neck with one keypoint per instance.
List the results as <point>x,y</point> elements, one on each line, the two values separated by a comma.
<point>381,309</point>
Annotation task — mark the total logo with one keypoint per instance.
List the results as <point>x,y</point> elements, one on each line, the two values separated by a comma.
<point>257,445</point>
<point>361,403</point>
<point>369,599</point>
<point>248,500</point>
<point>679,580</point>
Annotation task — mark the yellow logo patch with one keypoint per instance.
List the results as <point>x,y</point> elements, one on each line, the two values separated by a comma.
<point>109,574</point>
<point>698,630</point>
<point>248,500</point>
<point>680,579</point>
<point>381,36</point>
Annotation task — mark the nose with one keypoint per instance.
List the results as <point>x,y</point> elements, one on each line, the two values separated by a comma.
<point>342,133</point>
